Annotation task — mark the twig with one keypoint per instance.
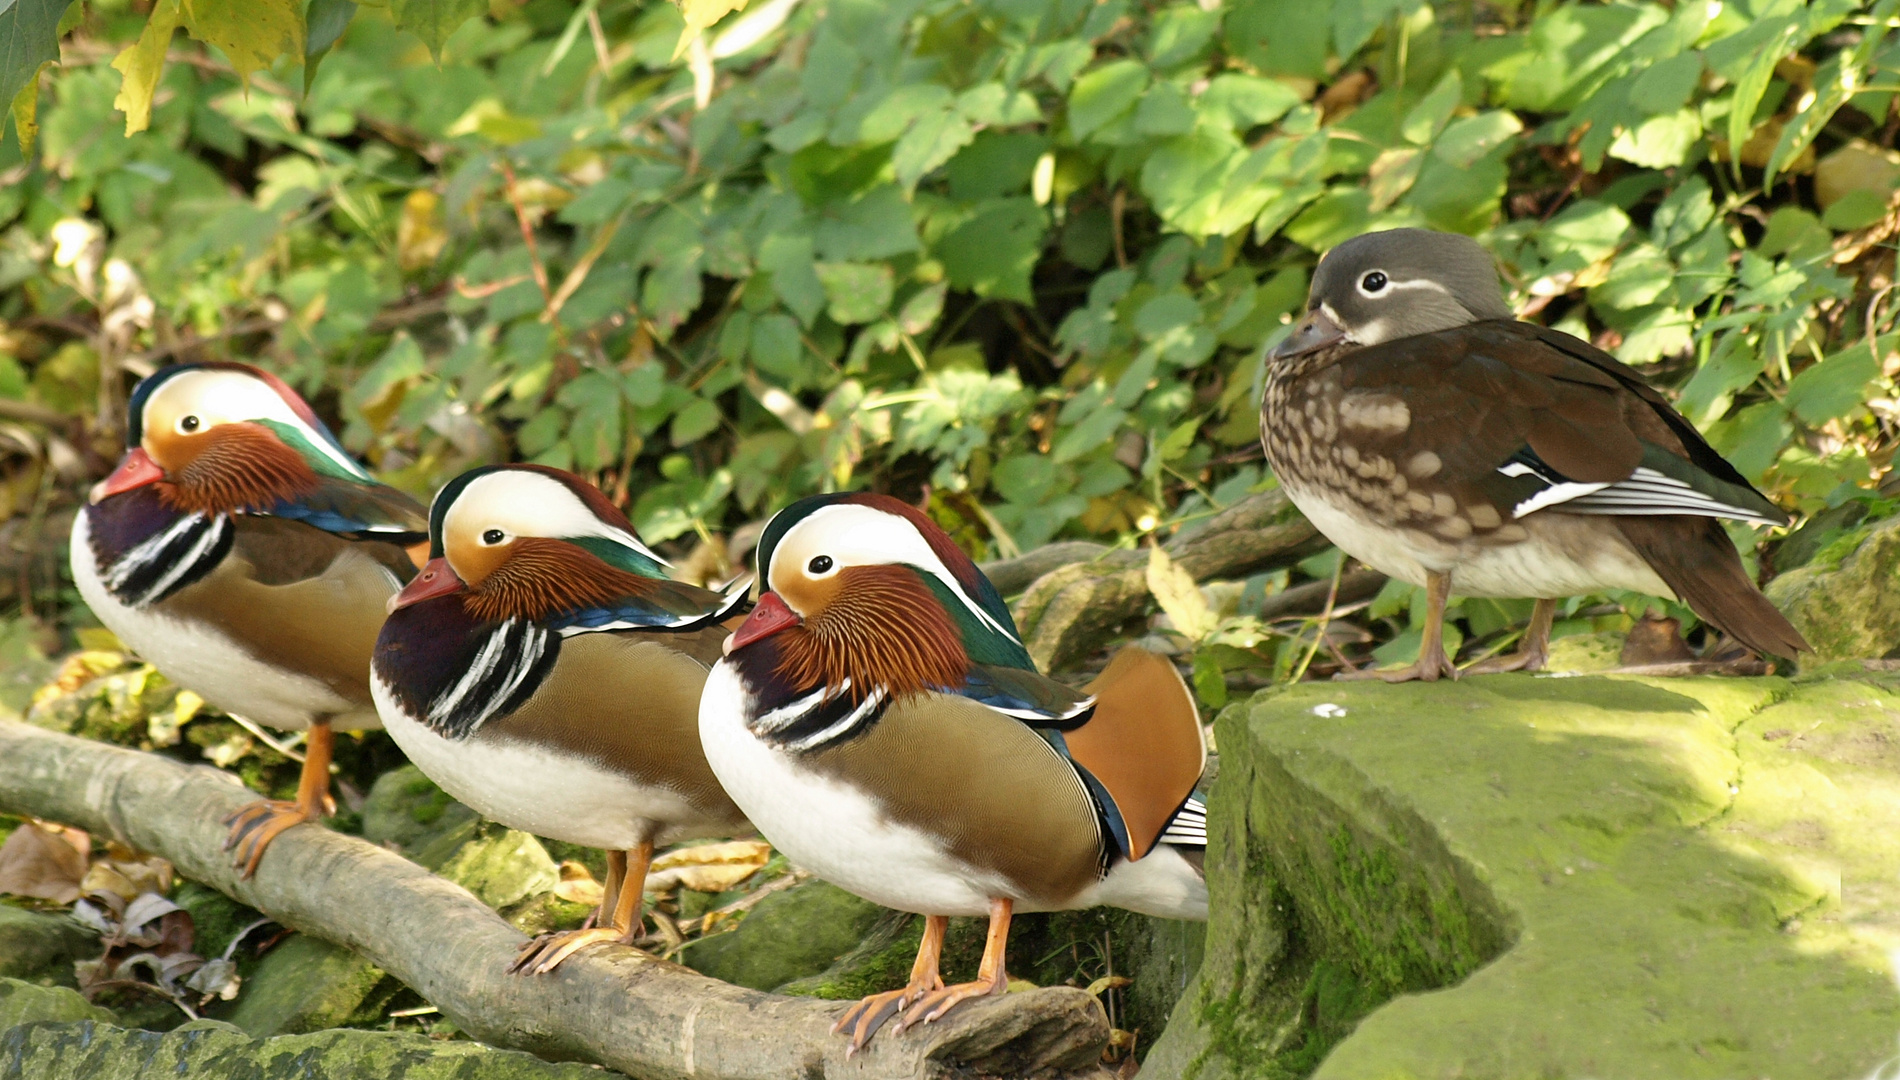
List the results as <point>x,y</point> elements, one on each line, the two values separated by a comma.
<point>1325,620</point>
<point>527,230</point>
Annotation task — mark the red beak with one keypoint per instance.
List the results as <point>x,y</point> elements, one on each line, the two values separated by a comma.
<point>436,579</point>
<point>136,470</point>
<point>767,618</point>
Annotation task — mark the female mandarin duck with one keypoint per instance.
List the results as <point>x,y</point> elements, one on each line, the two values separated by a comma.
<point>544,670</point>
<point>1437,439</point>
<point>879,720</point>
<point>242,551</point>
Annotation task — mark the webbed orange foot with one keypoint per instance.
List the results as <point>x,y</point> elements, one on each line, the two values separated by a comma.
<point>864,1019</point>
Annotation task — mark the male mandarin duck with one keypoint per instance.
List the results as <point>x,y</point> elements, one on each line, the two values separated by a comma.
<point>543,669</point>
<point>1433,437</point>
<point>880,722</point>
<point>242,551</point>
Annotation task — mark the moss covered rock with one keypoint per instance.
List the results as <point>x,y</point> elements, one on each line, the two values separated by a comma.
<point>42,946</point>
<point>1846,601</point>
<point>790,935</point>
<point>23,1003</point>
<point>212,1051</point>
<point>1537,877</point>
<point>304,984</point>
<point>406,811</point>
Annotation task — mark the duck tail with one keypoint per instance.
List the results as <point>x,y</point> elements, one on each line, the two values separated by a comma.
<point>1694,557</point>
<point>1143,744</point>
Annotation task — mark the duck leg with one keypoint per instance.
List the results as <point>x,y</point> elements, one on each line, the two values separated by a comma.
<point>1432,663</point>
<point>546,952</point>
<point>991,978</point>
<point>865,1017</point>
<point>255,826</point>
<point>1533,651</point>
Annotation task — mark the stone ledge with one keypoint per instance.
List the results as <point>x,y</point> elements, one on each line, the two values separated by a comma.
<point>1512,876</point>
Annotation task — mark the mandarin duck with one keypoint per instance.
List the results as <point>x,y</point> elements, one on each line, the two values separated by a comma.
<point>1435,438</point>
<point>880,722</point>
<point>247,556</point>
<point>544,670</point>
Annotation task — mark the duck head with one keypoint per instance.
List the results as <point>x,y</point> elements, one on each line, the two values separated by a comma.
<point>539,544</point>
<point>1395,284</point>
<point>220,438</point>
<point>865,591</point>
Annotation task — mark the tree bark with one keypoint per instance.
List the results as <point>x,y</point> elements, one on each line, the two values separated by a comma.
<point>620,1008</point>
<point>1068,611</point>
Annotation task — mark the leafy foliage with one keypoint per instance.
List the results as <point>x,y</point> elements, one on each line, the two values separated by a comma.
<point>1022,253</point>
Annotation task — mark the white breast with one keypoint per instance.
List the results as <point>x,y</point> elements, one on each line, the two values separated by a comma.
<point>543,791</point>
<point>209,663</point>
<point>829,827</point>
<point>1563,555</point>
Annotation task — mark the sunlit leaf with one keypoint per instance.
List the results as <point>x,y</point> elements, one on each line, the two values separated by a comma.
<point>251,33</point>
<point>434,20</point>
<point>141,64</point>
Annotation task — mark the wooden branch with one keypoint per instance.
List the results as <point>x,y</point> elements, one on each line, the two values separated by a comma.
<point>650,1019</point>
<point>1011,576</point>
<point>1070,610</point>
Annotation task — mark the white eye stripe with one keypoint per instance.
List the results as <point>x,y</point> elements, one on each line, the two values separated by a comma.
<point>522,503</point>
<point>228,397</point>
<point>857,535</point>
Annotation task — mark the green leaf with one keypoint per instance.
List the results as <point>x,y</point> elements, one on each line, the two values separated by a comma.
<point>252,34</point>
<point>1104,94</point>
<point>789,259</point>
<point>325,22</point>
<point>991,105</point>
<point>1094,430</point>
<point>1665,86</point>
<point>777,347</point>
<point>859,292</point>
<point>901,108</point>
<point>1428,118</point>
<point>26,114</point>
<point>1244,101</point>
<point>1282,37</point>
<point>1164,110</point>
<point>1834,387</point>
<point>1466,140</point>
<point>1660,142</point>
<point>994,252</point>
<point>434,20</point>
<point>29,38</point>
<point>1750,87</point>
<point>141,63</point>
<point>932,140</point>
<point>1179,33</point>
<point>695,422</point>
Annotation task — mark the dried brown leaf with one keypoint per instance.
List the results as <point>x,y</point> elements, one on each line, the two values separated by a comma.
<point>40,863</point>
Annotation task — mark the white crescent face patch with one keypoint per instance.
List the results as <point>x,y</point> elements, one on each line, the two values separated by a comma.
<point>218,396</point>
<point>855,535</point>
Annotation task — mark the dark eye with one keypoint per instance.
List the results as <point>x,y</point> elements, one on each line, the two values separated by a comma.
<point>188,424</point>
<point>820,564</point>
<point>493,537</point>
<point>1374,282</point>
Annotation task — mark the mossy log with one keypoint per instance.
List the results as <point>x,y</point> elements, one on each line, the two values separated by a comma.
<point>1070,610</point>
<point>617,1007</point>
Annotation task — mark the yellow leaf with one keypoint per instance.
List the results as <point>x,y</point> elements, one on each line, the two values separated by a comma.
<point>26,114</point>
<point>420,236</point>
<point>701,14</point>
<point>250,33</point>
<point>1108,982</point>
<point>1175,591</point>
<point>140,65</point>
<point>577,885</point>
<point>755,852</point>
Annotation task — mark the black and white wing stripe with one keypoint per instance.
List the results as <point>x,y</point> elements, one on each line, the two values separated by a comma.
<point>1189,827</point>
<point>170,559</point>
<point>1646,492</point>
<point>506,669</point>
